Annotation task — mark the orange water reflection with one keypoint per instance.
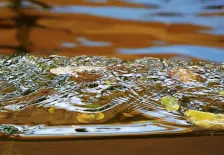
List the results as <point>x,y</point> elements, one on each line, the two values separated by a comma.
<point>40,28</point>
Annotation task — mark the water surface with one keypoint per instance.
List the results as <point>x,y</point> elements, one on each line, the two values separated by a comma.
<point>128,29</point>
<point>73,97</point>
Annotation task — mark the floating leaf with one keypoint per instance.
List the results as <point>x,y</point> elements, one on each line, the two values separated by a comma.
<point>61,70</point>
<point>51,110</point>
<point>221,93</point>
<point>183,75</point>
<point>131,114</point>
<point>128,114</point>
<point>170,103</point>
<point>199,115</point>
<point>99,116</point>
<point>210,125</point>
<point>92,116</point>
<point>108,82</point>
<point>205,120</point>
<point>88,118</point>
<point>71,70</point>
<point>93,105</point>
<point>84,118</point>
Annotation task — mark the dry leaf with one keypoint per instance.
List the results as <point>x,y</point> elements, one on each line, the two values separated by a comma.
<point>88,118</point>
<point>206,120</point>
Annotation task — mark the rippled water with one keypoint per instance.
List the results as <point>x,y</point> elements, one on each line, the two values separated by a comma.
<point>82,96</point>
<point>190,30</point>
<point>128,29</point>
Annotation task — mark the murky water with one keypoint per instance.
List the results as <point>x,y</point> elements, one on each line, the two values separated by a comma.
<point>128,29</point>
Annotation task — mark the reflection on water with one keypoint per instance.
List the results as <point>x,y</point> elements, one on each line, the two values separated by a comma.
<point>177,29</point>
<point>102,130</point>
<point>92,96</point>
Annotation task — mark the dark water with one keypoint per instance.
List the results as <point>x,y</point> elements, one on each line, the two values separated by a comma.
<point>177,29</point>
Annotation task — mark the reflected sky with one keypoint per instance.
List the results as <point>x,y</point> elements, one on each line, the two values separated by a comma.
<point>86,42</point>
<point>180,12</point>
<point>192,28</point>
<point>103,130</point>
<point>168,12</point>
<point>206,53</point>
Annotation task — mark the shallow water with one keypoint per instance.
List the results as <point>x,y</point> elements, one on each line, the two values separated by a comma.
<point>81,97</point>
<point>177,29</point>
<point>190,30</point>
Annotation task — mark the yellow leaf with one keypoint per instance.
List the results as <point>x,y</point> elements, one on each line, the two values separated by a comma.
<point>108,82</point>
<point>221,93</point>
<point>206,120</point>
<point>99,116</point>
<point>83,118</point>
<point>88,118</point>
<point>211,125</point>
<point>51,110</point>
<point>92,116</point>
<point>199,115</point>
<point>170,103</point>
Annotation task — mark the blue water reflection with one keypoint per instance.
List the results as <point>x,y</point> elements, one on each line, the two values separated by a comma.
<point>206,53</point>
<point>86,42</point>
<point>189,12</point>
<point>192,28</point>
<point>168,12</point>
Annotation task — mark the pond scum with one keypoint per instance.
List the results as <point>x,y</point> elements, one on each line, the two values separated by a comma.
<point>99,96</point>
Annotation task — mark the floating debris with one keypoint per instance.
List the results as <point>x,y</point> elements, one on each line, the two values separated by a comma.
<point>88,118</point>
<point>60,91</point>
<point>206,120</point>
<point>183,75</point>
<point>72,70</point>
<point>8,129</point>
<point>221,93</point>
<point>170,103</point>
<point>51,110</point>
